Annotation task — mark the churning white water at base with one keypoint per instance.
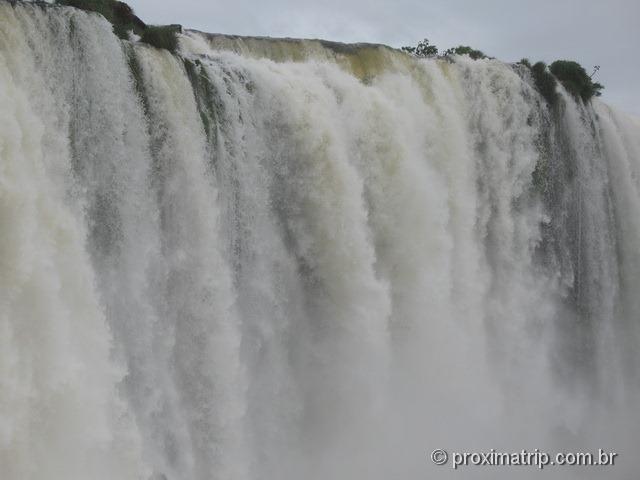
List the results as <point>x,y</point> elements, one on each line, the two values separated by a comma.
<point>286,259</point>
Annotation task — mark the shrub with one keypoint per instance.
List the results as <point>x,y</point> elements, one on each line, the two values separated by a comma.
<point>545,82</point>
<point>465,50</point>
<point>525,62</point>
<point>575,79</point>
<point>162,36</point>
<point>423,49</point>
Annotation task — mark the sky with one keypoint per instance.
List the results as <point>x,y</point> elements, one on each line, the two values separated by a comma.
<point>605,33</point>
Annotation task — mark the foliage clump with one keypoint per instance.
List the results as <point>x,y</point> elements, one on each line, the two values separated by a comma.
<point>422,50</point>
<point>545,82</point>
<point>575,79</point>
<point>425,49</point>
<point>162,36</point>
<point>119,14</point>
<point>525,62</point>
<point>465,50</point>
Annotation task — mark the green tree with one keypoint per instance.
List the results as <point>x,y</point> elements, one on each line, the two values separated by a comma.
<point>575,79</point>
<point>422,50</point>
<point>545,82</point>
<point>465,50</point>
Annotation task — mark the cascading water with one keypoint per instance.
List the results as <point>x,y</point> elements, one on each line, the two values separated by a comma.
<point>284,259</point>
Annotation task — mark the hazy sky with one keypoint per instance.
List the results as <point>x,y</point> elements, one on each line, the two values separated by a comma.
<point>605,32</point>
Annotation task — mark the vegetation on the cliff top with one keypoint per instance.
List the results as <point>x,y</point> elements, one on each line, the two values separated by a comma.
<point>570,74</point>
<point>162,36</point>
<point>465,50</point>
<point>544,81</point>
<point>425,49</point>
<point>575,79</point>
<point>124,20</point>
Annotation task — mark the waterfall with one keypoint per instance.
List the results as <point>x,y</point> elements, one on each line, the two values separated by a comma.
<point>281,259</point>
